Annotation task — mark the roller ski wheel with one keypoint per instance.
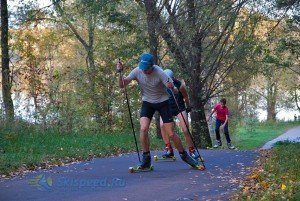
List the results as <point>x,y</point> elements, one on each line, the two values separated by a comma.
<point>199,167</point>
<point>157,158</point>
<point>140,169</point>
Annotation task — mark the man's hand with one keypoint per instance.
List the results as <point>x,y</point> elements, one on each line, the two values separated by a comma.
<point>120,66</point>
<point>170,84</point>
<point>189,109</point>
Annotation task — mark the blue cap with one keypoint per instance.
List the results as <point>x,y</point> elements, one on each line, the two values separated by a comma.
<point>146,61</point>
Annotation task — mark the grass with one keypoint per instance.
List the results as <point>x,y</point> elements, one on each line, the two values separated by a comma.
<point>35,149</point>
<point>257,134</point>
<point>276,175</point>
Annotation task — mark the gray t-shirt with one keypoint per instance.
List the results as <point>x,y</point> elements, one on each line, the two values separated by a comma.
<point>153,86</point>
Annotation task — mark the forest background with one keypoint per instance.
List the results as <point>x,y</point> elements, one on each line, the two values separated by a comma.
<point>59,61</point>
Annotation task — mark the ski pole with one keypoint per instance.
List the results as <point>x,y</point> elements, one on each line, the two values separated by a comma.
<point>187,127</point>
<point>125,92</point>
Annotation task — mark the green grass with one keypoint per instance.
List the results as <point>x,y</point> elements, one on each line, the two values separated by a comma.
<point>257,134</point>
<point>33,149</point>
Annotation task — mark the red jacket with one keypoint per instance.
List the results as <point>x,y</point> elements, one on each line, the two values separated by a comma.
<point>221,112</point>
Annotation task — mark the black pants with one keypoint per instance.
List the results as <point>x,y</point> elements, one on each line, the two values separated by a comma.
<point>163,108</point>
<point>226,132</point>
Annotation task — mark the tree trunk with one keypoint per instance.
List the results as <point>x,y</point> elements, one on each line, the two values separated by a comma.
<point>6,81</point>
<point>209,108</point>
<point>236,106</point>
<point>271,101</point>
<point>200,131</point>
<point>153,44</point>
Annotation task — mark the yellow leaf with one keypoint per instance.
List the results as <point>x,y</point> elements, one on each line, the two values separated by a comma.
<point>283,187</point>
<point>254,176</point>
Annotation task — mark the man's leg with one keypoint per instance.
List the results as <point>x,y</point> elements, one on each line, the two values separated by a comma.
<point>169,150</point>
<point>144,123</point>
<point>218,137</point>
<point>146,157</point>
<point>165,113</point>
<point>164,135</point>
<point>217,129</point>
<point>184,124</point>
<point>226,132</point>
<point>169,128</point>
<point>147,112</point>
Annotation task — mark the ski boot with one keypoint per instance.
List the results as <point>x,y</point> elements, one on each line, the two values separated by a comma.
<point>167,156</point>
<point>146,162</point>
<point>169,153</point>
<point>188,159</point>
<point>193,153</point>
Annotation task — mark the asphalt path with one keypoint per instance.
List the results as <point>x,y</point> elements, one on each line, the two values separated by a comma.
<point>109,179</point>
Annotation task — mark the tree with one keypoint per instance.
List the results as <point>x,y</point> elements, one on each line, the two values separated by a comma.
<point>275,60</point>
<point>6,79</point>
<point>90,15</point>
<point>153,44</point>
<point>202,38</point>
<point>89,12</point>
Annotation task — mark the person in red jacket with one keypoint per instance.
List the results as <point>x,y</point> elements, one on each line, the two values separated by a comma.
<point>221,122</point>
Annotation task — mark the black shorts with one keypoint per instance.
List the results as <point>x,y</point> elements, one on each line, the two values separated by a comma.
<point>175,110</point>
<point>163,108</point>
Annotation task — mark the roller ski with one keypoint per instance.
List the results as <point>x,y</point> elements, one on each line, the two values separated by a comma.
<point>140,169</point>
<point>199,167</point>
<point>191,161</point>
<point>167,156</point>
<point>144,165</point>
<point>157,158</point>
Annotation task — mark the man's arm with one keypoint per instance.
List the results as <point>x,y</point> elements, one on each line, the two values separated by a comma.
<point>223,125</point>
<point>126,81</point>
<point>171,86</point>
<point>122,79</point>
<point>184,93</point>
<point>208,118</point>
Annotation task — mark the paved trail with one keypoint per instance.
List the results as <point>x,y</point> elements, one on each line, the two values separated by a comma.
<point>109,178</point>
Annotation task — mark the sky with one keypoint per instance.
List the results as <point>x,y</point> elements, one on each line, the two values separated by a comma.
<point>285,115</point>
